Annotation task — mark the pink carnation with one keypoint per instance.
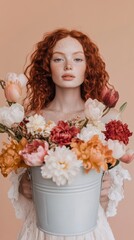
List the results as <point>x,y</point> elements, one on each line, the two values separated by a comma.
<point>63,133</point>
<point>116,130</point>
<point>33,154</point>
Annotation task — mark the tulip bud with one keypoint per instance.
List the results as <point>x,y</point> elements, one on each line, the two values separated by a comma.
<point>128,157</point>
<point>14,85</point>
<point>22,79</point>
<point>13,77</point>
<point>13,91</point>
<point>109,97</point>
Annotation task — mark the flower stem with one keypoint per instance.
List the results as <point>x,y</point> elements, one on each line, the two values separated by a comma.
<point>2,83</point>
<point>8,130</point>
<point>106,111</point>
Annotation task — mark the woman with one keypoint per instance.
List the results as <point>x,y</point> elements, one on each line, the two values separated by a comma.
<point>66,69</point>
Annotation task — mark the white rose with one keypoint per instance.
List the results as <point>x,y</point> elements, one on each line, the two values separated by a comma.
<point>11,115</point>
<point>93,109</point>
<point>117,147</point>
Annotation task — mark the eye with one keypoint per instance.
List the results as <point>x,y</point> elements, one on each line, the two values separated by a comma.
<point>78,59</point>
<point>57,59</point>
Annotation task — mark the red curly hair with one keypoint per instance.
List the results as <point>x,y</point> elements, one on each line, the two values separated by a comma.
<point>40,87</point>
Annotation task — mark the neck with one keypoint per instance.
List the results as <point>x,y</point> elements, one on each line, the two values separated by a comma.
<point>67,100</point>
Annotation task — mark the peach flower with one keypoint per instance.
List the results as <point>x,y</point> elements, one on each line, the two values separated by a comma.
<point>13,91</point>
<point>10,159</point>
<point>93,153</point>
<point>14,85</point>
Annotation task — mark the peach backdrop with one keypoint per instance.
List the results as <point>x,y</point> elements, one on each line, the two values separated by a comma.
<point>110,25</point>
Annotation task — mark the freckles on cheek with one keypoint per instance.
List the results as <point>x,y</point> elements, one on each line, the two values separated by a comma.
<point>55,75</point>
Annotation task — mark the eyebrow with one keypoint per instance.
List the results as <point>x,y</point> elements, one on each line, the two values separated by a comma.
<point>64,53</point>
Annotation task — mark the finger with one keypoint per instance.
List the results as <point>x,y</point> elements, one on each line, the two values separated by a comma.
<point>106,176</point>
<point>105,192</point>
<point>28,175</point>
<point>27,192</point>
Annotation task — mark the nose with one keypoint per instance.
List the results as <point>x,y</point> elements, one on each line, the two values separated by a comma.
<point>68,66</point>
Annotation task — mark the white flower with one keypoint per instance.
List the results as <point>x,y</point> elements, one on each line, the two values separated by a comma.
<point>89,131</point>
<point>36,124</point>
<point>61,165</point>
<point>94,109</point>
<point>49,126</point>
<point>12,114</point>
<point>13,77</point>
<point>117,147</point>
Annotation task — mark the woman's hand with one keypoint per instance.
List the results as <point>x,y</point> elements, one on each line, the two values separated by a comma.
<point>25,187</point>
<point>106,184</point>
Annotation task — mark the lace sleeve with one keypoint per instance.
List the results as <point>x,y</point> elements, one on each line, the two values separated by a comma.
<point>24,209</point>
<point>116,192</point>
<point>20,204</point>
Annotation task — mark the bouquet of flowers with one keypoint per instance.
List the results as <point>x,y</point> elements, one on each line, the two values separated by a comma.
<point>96,142</point>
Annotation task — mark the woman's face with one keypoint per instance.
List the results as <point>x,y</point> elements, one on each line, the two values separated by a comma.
<point>68,63</point>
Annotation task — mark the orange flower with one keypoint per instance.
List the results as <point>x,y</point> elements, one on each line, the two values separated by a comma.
<point>10,158</point>
<point>93,153</point>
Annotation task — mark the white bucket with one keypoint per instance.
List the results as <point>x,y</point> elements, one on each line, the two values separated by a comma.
<point>70,209</point>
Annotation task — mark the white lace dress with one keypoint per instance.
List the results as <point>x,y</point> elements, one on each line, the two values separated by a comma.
<point>24,209</point>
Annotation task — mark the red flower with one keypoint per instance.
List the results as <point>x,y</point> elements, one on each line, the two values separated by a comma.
<point>63,133</point>
<point>116,130</point>
<point>109,97</point>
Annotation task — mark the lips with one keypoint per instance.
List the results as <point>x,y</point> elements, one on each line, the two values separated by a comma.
<point>68,77</point>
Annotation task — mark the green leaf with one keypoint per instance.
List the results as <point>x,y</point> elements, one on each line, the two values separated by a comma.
<point>123,106</point>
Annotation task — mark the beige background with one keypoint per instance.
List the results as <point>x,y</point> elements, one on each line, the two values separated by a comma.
<point>110,25</point>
